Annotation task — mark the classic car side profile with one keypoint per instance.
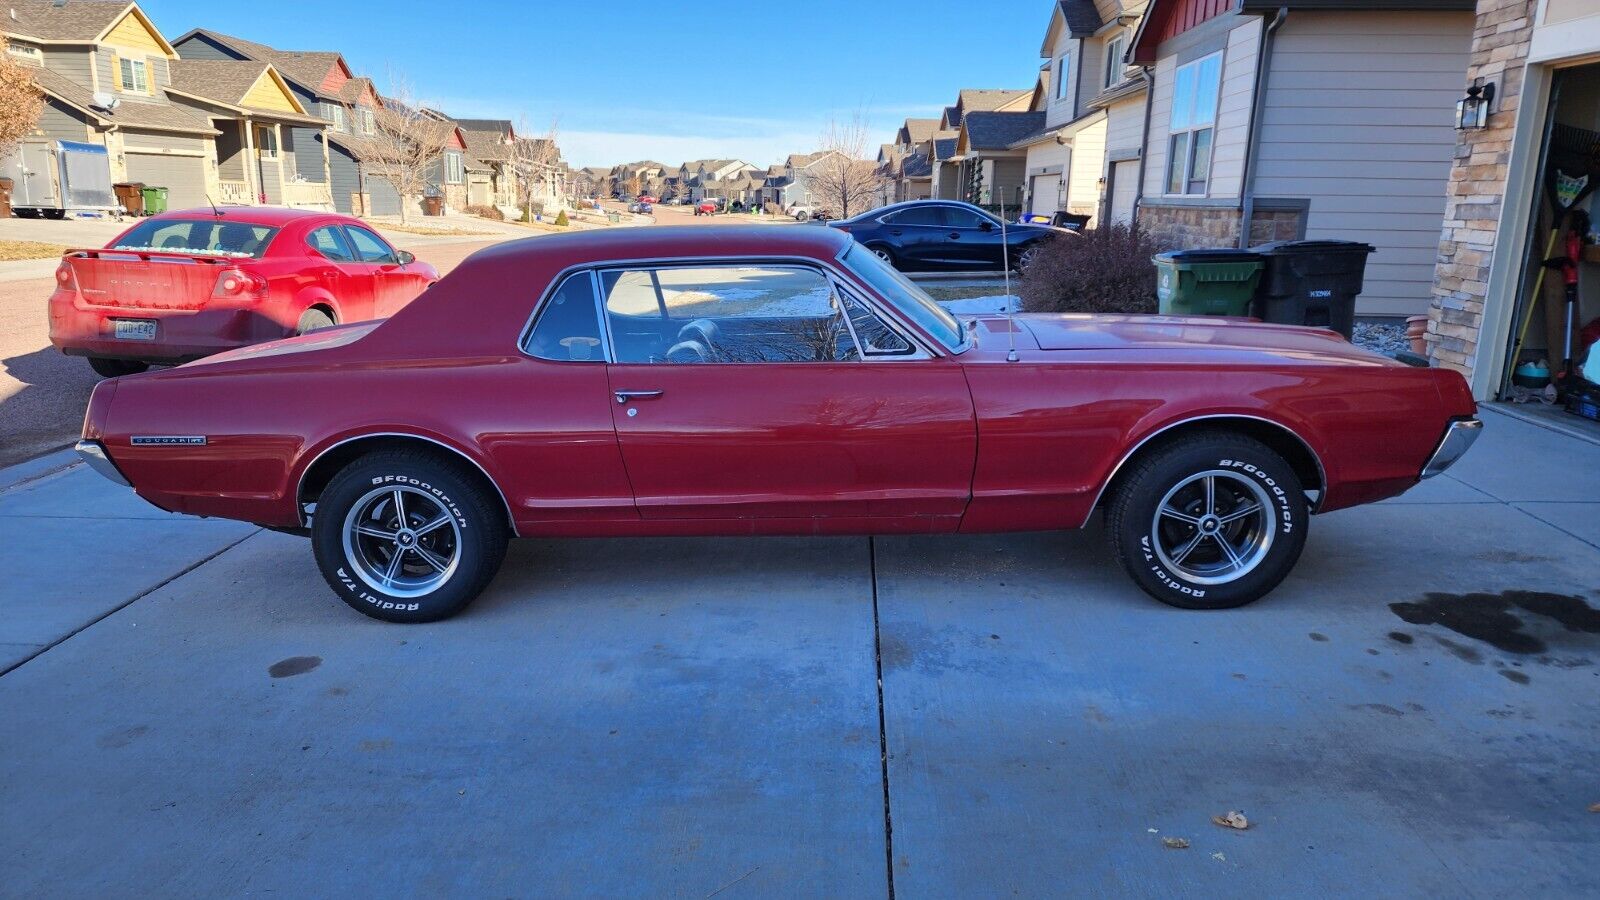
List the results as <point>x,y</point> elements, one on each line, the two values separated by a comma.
<point>185,284</point>
<point>748,381</point>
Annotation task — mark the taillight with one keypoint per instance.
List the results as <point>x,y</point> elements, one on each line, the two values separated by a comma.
<point>238,283</point>
<point>65,278</point>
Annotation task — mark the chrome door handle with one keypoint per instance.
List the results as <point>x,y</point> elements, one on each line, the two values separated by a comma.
<point>625,396</point>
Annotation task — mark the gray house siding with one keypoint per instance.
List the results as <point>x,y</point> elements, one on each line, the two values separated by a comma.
<point>199,47</point>
<point>345,178</point>
<point>385,202</point>
<point>73,64</point>
<point>60,122</point>
<point>1359,122</point>
<point>305,145</point>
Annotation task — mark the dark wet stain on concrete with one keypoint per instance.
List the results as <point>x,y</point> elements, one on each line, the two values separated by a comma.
<point>1511,556</point>
<point>1461,651</point>
<point>294,665</point>
<point>1371,652</point>
<point>1492,618</point>
<point>893,653</point>
<point>1400,637</point>
<point>122,737</point>
<point>1514,675</point>
<point>1319,637</point>
<point>1384,708</point>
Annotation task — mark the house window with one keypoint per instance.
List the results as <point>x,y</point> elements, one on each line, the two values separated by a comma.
<point>1114,50</point>
<point>364,116</point>
<point>335,115</point>
<point>1063,75</point>
<point>455,170</point>
<point>1195,88</point>
<point>267,142</point>
<point>31,54</point>
<point>135,76</point>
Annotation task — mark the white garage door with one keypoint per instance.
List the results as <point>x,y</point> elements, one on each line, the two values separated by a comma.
<point>184,177</point>
<point>1124,190</point>
<point>1044,194</point>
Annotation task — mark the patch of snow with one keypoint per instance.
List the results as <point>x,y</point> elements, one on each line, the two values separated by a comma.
<point>997,303</point>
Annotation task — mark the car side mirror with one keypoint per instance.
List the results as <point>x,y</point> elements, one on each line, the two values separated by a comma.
<point>406,257</point>
<point>986,225</point>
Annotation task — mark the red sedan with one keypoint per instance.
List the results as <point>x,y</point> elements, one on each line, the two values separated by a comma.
<point>182,285</point>
<point>743,381</point>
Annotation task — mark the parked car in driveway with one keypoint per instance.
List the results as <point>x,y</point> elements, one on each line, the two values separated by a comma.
<point>707,208</point>
<point>768,380</point>
<point>642,208</point>
<point>183,285</point>
<point>805,212</point>
<point>932,235</point>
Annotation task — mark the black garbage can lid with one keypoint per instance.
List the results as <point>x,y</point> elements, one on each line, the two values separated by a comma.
<point>1210,255</point>
<point>1317,246</point>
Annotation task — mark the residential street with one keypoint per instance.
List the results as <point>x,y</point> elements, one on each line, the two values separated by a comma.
<point>195,713</point>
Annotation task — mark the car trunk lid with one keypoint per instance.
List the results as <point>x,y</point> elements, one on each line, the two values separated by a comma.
<point>156,280</point>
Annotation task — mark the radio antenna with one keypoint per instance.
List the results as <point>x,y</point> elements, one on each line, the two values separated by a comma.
<point>214,211</point>
<point>1005,256</point>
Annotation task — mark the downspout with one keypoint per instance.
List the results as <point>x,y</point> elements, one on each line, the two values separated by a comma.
<point>1247,210</point>
<point>1144,139</point>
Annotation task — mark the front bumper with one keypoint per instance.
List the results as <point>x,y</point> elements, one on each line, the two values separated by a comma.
<point>94,453</point>
<point>1458,438</point>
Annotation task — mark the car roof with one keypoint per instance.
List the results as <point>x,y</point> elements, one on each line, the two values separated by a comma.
<point>668,242</point>
<point>276,216</point>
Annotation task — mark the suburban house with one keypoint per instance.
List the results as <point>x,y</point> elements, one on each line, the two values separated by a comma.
<point>945,170</point>
<point>907,163</point>
<point>491,163</point>
<point>1538,62</point>
<point>709,177</point>
<point>1083,49</point>
<point>1305,119</point>
<point>951,177</point>
<point>206,132</point>
<point>324,85</point>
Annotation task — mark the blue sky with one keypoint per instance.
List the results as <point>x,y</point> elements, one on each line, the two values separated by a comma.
<point>627,80</point>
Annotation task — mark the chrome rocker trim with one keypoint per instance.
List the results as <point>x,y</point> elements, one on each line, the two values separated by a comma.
<point>1458,439</point>
<point>93,453</point>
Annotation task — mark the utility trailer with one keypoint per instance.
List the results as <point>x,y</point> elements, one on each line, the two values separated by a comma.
<point>52,178</point>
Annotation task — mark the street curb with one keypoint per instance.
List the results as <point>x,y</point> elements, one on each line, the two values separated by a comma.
<point>37,468</point>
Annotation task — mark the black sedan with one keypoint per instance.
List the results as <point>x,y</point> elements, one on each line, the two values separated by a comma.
<point>928,235</point>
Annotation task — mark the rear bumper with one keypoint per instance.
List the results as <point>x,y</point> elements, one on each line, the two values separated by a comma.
<point>1458,439</point>
<point>94,453</point>
<point>181,334</point>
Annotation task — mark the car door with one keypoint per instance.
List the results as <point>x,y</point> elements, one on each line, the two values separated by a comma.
<point>347,278</point>
<point>741,392</point>
<point>393,285</point>
<point>973,240</point>
<point>916,236</point>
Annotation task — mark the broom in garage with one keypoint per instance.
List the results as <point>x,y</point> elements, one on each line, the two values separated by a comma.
<point>1572,172</point>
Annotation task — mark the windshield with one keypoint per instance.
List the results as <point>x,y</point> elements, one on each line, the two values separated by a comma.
<point>906,297</point>
<point>209,236</point>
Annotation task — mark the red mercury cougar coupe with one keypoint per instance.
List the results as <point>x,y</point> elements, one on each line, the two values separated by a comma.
<point>182,285</point>
<point>741,381</point>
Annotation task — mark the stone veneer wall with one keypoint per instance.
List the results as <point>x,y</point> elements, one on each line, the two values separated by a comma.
<point>1476,191</point>
<point>1188,227</point>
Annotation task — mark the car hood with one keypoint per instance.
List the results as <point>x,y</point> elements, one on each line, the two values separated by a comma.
<point>1071,331</point>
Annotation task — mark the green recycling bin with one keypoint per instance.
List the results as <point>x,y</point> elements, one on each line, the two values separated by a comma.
<point>155,200</point>
<point>1219,282</point>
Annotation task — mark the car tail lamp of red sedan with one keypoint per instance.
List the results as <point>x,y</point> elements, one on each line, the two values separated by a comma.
<point>64,277</point>
<point>239,283</point>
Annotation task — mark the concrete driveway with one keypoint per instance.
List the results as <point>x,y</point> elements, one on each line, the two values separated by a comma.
<point>188,711</point>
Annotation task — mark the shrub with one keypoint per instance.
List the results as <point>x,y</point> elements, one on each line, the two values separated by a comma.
<point>1104,270</point>
<point>486,212</point>
<point>561,219</point>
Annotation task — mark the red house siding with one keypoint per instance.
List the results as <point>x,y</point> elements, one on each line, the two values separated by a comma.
<point>1166,19</point>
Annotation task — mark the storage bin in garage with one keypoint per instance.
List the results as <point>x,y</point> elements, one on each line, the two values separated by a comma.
<point>1217,282</point>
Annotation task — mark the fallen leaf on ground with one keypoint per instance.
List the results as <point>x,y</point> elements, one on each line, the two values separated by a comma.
<point>1233,819</point>
<point>1594,807</point>
<point>1175,843</point>
<point>1219,857</point>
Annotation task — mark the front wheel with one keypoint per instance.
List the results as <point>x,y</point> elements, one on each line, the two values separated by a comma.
<point>405,536</point>
<point>113,368</point>
<point>1211,522</point>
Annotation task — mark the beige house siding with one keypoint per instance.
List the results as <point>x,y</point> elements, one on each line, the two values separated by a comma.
<point>1233,110</point>
<point>1088,164</point>
<point>1160,116</point>
<point>1125,125</point>
<point>1358,121</point>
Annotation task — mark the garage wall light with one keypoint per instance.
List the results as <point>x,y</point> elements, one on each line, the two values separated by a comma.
<point>1472,111</point>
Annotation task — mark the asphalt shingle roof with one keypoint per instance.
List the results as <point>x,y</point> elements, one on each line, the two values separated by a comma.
<point>986,99</point>
<point>919,130</point>
<point>999,130</point>
<point>944,148</point>
<point>307,68</point>
<point>1081,17</point>
<point>83,20</point>
<point>129,113</point>
<point>226,81</point>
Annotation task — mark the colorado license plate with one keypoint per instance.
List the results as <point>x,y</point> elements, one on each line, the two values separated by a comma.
<point>135,329</point>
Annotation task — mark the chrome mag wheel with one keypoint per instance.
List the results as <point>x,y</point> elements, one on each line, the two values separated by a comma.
<point>401,541</point>
<point>1214,527</point>
<point>883,254</point>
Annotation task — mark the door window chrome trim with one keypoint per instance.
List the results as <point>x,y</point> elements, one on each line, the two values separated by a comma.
<point>1322,473</point>
<point>300,486</point>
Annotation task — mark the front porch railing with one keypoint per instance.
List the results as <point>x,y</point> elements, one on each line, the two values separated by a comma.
<point>236,193</point>
<point>307,195</point>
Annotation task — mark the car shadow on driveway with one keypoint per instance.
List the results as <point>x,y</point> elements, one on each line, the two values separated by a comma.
<point>42,398</point>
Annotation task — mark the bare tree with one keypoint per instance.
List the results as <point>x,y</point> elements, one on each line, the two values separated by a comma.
<point>842,180</point>
<point>21,102</point>
<point>537,164</point>
<point>406,145</point>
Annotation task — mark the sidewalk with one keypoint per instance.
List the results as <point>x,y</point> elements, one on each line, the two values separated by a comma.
<point>689,717</point>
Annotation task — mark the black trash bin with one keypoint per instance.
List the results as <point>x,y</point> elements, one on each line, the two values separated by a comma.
<point>1311,283</point>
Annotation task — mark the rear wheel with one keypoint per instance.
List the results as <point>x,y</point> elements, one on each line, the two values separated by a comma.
<point>112,368</point>
<point>1212,522</point>
<point>405,536</point>
<point>311,320</point>
<point>883,253</point>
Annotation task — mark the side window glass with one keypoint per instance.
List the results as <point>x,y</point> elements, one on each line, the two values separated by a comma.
<point>876,337</point>
<point>920,215</point>
<point>368,246</point>
<point>965,218</point>
<point>731,314</point>
<point>568,329</point>
<point>329,242</point>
